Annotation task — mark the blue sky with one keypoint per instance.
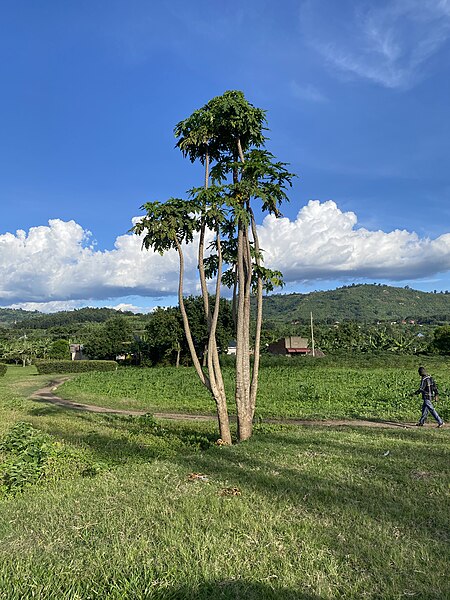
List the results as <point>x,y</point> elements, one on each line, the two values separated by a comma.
<point>357,99</point>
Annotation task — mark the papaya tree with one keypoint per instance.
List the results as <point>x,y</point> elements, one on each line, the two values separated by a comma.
<point>226,137</point>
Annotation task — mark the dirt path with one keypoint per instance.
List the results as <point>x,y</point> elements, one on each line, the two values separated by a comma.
<point>47,394</point>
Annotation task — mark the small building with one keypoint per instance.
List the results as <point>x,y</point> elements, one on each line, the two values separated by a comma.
<point>290,346</point>
<point>231,347</point>
<point>76,352</point>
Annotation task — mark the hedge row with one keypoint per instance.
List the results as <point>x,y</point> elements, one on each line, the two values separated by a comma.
<point>74,366</point>
<point>2,369</point>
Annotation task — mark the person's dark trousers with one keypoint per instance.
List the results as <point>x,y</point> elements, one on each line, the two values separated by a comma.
<point>427,407</point>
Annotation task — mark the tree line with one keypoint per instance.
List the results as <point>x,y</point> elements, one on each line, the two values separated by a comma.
<point>158,339</point>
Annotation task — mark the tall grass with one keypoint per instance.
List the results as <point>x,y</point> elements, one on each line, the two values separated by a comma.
<point>312,390</point>
<point>294,513</point>
<point>304,514</point>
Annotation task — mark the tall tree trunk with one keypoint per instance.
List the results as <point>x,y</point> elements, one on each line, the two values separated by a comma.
<point>241,379</point>
<point>211,356</point>
<point>243,407</point>
<point>222,413</point>
<point>244,278</point>
<point>259,300</point>
<point>187,329</point>
<point>214,368</point>
<point>234,301</point>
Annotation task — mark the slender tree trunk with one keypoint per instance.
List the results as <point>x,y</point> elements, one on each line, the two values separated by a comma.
<point>244,278</point>
<point>201,268</point>
<point>240,393</point>
<point>213,359</point>
<point>243,408</point>
<point>245,424</point>
<point>187,329</point>
<point>211,356</point>
<point>259,300</point>
<point>234,302</point>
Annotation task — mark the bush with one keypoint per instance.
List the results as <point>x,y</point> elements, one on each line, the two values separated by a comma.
<point>28,451</point>
<point>2,369</point>
<point>60,350</point>
<point>29,456</point>
<point>74,366</point>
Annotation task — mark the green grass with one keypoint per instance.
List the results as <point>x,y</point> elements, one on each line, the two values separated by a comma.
<point>309,392</point>
<point>322,514</point>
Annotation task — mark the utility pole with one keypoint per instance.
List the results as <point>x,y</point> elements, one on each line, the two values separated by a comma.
<point>312,336</point>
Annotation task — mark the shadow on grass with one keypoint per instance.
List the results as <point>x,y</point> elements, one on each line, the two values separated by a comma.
<point>116,439</point>
<point>378,488</point>
<point>231,590</point>
<point>365,480</point>
<point>137,587</point>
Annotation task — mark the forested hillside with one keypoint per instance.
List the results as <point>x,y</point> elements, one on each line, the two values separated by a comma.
<point>67,317</point>
<point>367,303</point>
<point>9,316</point>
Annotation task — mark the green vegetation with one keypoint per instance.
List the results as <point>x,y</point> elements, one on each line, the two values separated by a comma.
<point>74,366</point>
<point>164,339</point>
<point>9,316</point>
<point>108,340</point>
<point>155,510</point>
<point>36,320</point>
<point>367,303</point>
<point>359,318</point>
<point>441,340</point>
<point>3,368</point>
<point>31,456</point>
<point>304,389</point>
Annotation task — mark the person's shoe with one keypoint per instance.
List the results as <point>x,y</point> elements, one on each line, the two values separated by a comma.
<point>441,425</point>
<point>419,424</point>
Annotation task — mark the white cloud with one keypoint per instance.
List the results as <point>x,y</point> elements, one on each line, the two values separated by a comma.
<point>387,42</point>
<point>54,267</point>
<point>48,307</point>
<point>55,262</point>
<point>126,307</point>
<point>324,243</point>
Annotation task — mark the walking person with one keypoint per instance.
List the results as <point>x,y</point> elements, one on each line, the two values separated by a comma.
<point>429,391</point>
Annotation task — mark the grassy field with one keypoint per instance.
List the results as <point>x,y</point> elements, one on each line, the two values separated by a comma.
<point>304,513</point>
<point>305,390</point>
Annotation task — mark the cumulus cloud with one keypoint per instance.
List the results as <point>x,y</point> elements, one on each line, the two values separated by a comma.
<point>48,307</point>
<point>324,243</point>
<point>58,265</point>
<point>127,307</point>
<point>57,262</point>
<point>387,42</point>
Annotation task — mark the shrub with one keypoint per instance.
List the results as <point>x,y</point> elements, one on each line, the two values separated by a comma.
<point>74,366</point>
<point>3,368</point>
<point>27,453</point>
<point>60,350</point>
<point>31,456</point>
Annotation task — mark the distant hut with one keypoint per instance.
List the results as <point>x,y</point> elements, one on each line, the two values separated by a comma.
<point>232,347</point>
<point>290,346</point>
<point>76,352</point>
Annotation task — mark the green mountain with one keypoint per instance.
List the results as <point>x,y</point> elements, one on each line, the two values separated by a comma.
<point>35,320</point>
<point>10,316</point>
<point>366,303</point>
